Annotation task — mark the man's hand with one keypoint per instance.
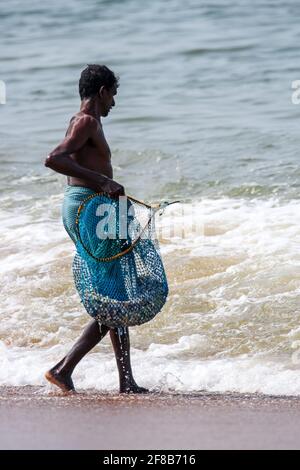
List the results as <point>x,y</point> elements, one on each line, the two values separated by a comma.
<point>112,188</point>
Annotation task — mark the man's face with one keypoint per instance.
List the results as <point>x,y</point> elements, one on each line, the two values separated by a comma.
<point>108,100</point>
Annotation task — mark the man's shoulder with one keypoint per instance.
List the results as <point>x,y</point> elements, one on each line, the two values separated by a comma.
<point>82,120</point>
<point>83,125</point>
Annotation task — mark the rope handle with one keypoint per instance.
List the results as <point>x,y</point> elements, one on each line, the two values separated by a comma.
<point>154,208</point>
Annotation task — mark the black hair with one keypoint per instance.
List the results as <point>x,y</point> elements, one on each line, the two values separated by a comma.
<point>93,77</point>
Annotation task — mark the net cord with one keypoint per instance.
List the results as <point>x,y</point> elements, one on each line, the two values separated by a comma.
<point>154,209</point>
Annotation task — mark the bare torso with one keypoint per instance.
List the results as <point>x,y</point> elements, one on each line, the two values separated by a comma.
<point>94,155</point>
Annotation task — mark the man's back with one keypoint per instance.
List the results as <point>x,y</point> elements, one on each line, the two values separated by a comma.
<point>95,152</point>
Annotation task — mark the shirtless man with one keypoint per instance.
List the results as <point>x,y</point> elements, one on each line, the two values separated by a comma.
<point>84,157</point>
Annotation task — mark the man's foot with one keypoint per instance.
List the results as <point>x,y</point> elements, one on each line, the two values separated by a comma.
<point>65,383</point>
<point>132,388</point>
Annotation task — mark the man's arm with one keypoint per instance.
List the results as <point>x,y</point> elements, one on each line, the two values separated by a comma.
<point>60,160</point>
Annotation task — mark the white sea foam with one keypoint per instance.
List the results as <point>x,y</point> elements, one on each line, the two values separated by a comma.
<point>234,288</point>
<point>231,322</point>
<point>157,369</point>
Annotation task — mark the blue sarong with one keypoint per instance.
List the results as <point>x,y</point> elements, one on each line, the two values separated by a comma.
<point>73,198</point>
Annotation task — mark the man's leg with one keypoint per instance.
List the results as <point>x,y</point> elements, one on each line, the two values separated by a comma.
<point>60,374</point>
<point>121,344</point>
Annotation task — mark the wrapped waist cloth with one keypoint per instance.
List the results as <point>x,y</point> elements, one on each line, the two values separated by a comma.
<point>74,196</point>
<point>126,291</point>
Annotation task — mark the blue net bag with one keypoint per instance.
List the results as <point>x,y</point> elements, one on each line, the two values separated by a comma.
<point>118,270</point>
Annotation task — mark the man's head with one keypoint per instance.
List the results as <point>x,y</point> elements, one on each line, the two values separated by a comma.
<point>100,82</point>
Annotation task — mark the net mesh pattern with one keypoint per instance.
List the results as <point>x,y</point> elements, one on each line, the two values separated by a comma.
<point>124,290</point>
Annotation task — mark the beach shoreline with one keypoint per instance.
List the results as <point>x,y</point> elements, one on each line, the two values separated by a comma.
<point>32,418</point>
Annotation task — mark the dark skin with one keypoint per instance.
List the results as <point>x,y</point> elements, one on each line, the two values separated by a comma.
<point>84,157</point>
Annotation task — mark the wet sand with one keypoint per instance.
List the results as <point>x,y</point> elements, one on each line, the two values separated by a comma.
<point>34,418</point>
